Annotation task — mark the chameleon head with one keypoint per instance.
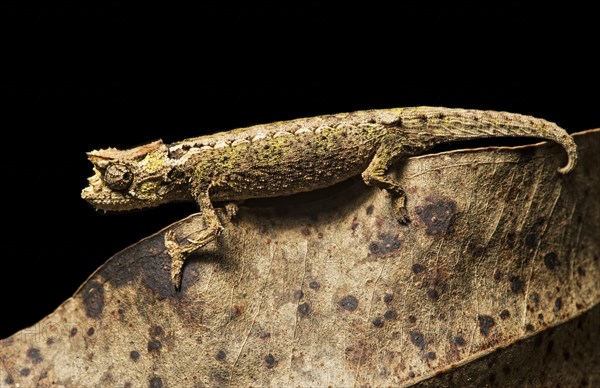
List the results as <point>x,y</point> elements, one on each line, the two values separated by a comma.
<point>131,179</point>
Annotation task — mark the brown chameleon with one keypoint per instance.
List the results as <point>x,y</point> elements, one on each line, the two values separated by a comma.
<point>289,157</point>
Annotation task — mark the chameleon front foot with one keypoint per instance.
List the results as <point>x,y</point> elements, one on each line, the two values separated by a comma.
<point>179,253</point>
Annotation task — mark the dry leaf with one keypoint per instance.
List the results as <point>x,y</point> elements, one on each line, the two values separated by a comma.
<point>326,288</point>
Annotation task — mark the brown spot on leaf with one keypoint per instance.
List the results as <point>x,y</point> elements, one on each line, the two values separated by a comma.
<point>558,303</point>
<point>417,268</point>
<point>389,314</point>
<point>156,382</point>
<point>418,339</point>
<point>25,372</point>
<point>156,331</point>
<point>73,332</point>
<point>298,294</point>
<point>486,323</point>
<point>437,216</point>
<point>412,319</point>
<point>303,309</point>
<point>34,355</point>
<point>369,209</point>
<point>134,355</point>
<point>349,303</point>
<point>580,271</point>
<point>459,340</point>
<point>221,355</point>
<point>9,380</point>
<point>270,360</point>
<point>377,322</point>
<point>411,374</point>
<point>529,327</point>
<point>305,231</point>
<point>388,243</point>
<point>516,284</point>
<point>93,299</point>
<point>530,240</point>
<point>236,310</point>
<point>314,285</point>
<point>387,298</point>
<point>433,294</point>
<point>504,314</point>
<point>431,355</point>
<point>264,335</point>
<point>90,332</point>
<point>154,346</point>
<point>551,261</point>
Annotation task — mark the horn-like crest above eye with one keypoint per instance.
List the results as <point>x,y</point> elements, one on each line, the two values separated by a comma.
<point>101,158</point>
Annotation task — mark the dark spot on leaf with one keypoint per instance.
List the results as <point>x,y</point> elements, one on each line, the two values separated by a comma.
<point>377,322</point>
<point>581,271</point>
<point>154,346</point>
<point>298,294</point>
<point>411,374</point>
<point>236,310</point>
<point>431,355</point>
<point>90,332</point>
<point>314,285</point>
<point>349,303</point>
<point>25,372</point>
<point>418,268</point>
<point>504,314</point>
<point>93,299</point>
<point>579,306</point>
<point>304,309</point>
<point>134,355</point>
<point>387,298</point>
<point>516,284</point>
<point>388,243</point>
<point>412,319</point>
<point>551,260</point>
<point>437,216</point>
<point>390,314</point>
<point>305,231</point>
<point>156,331</point>
<point>459,340</point>
<point>497,274</point>
<point>270,360</point>
<point>418,339</point>
<point>49,341</point>
<point>9,380</point>
<point>535,297</point>
<point>475,249</point>
<point>529,327</point>
<point>433,294</point>
<point>156,382</point>
<point>486,323</point>
<point>73,332</point>
<point>558,303</point>
<point>369,209</point>
<point>530,240</point>
<point>34,355</point>
<point>264,334</point>
<point>221,355</point>
<point>541,316</point>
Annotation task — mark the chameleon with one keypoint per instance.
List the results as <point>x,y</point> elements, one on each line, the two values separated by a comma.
<point>289,157</point>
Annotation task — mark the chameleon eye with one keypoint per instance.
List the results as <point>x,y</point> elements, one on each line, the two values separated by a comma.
<point>118,177</point>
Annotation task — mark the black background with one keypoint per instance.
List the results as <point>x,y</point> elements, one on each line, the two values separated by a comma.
<point>86,75</point>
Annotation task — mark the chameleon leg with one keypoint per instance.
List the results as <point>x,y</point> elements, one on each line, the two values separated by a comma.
<point>180,252</point>
<point>389,152</point>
